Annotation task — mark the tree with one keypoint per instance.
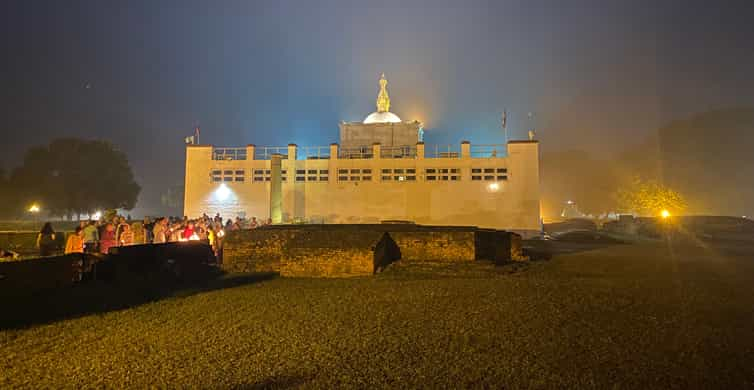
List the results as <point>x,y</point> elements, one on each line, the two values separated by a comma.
<point>649,198</point>
<point>77,176</point>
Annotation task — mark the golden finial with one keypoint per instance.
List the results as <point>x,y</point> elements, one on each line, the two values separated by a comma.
<point>383,100</point>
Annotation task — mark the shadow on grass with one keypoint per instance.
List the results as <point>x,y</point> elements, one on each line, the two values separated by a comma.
<point>101,297</point>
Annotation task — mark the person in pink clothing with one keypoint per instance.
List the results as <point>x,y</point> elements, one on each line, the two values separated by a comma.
<point>108,239</point>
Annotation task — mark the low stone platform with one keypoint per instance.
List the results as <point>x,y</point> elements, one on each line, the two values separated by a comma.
<point>358,250</point>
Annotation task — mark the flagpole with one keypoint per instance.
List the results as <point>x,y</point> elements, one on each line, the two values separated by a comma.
<point>505,125</point>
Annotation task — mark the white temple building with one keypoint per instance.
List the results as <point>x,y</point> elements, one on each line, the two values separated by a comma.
<point>380,170</point>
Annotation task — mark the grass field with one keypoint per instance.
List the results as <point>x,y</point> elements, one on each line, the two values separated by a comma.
<point>649,315</point>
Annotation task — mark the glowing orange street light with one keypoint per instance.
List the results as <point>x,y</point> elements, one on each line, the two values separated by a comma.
<point>34,208</point>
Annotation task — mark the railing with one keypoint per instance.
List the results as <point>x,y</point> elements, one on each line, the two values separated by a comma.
<point>442,151</point>
<point>489,151</point>
<point>266,152</point>
<point>357,152</point>
<point>313,153</point>
<point>398,151</point>
<point>362,152</point>
<point>229,154</point>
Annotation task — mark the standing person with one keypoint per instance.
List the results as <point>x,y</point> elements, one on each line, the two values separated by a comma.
<point>101,224</point>
<point>176,232</point>
<point>75,242</point>
<point>148,228</point>
<point>188,231</point>
<point>202,230</point>
<point>216,240</point>
<point>199,234</point>
<point>160,231</point>
<point>139,233</point>
<point>126,236</point>
<point>254,224</point>
<point>107,240</point>
<point>46,240</point>
<point>210,234</point>
<point>91,236</point>
<point>120,225</point>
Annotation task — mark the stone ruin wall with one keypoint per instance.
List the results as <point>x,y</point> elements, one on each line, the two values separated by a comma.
<point>348,250</point>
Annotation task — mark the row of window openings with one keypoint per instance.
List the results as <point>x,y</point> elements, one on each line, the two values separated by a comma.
<point>259,172</point>
<point>267,172</point>
<point>261,175</point>
<point>400,174</point>
<point>240,179</point>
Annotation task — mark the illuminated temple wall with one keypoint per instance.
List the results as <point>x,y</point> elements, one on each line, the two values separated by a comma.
<point>355,134</point>
<point>494,192</point>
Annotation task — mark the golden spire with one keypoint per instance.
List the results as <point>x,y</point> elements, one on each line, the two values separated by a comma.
<point>383,100</point>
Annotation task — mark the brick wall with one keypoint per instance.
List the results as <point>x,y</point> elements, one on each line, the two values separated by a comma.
<point>311,251</point>
<point>258,250</point>
<point>436,245</point>
<point>329,253</point>
<point>349,250</point>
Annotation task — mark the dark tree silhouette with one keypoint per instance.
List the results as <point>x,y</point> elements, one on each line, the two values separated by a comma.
<point>77,176</point>
<point>6,195</point>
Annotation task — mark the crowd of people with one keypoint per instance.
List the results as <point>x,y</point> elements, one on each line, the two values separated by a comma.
<point>98,236</point>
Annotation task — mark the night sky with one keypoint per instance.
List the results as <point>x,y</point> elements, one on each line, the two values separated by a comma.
<point>598,75</point>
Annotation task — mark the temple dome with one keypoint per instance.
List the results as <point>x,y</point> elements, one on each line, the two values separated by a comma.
<point>382,117</point>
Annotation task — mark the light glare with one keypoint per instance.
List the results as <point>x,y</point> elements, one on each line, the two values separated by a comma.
<point>222,192</point>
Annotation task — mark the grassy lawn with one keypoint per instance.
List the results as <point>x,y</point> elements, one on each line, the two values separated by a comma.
<point>624,316</point>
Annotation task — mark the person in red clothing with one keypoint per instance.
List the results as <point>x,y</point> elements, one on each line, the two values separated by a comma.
<point>188,231</point>
<point>107,239</point>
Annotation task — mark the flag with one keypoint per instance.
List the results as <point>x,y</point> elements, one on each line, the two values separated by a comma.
<point>505,118</point>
